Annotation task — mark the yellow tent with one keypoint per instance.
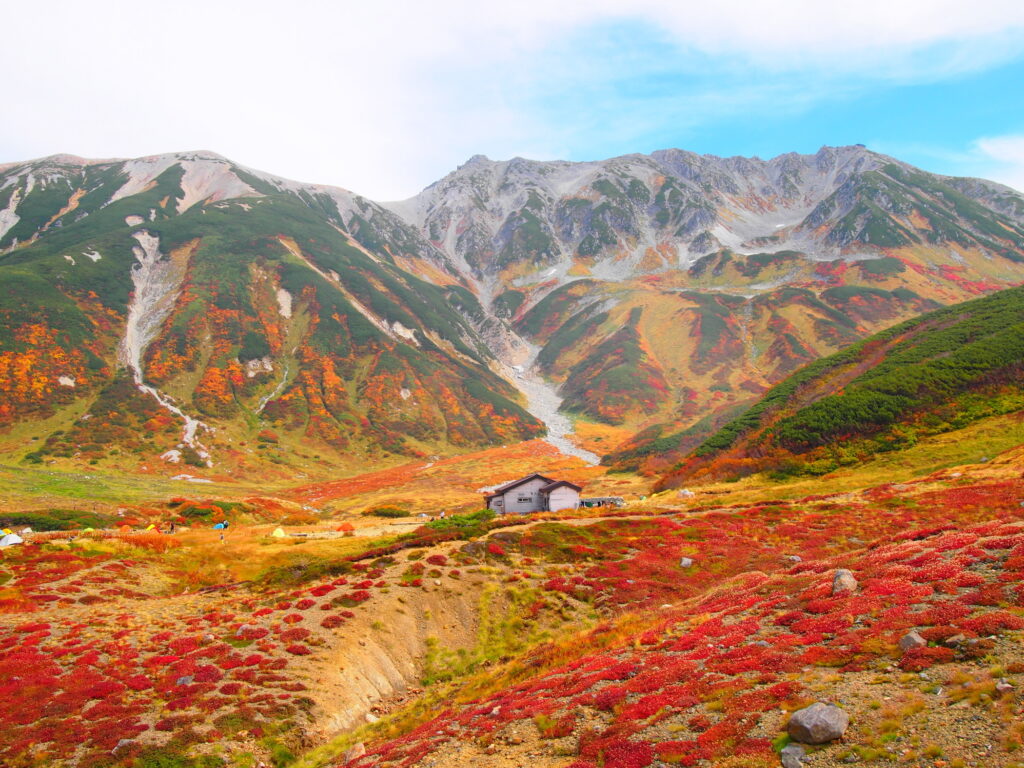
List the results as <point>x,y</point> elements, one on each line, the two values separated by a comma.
<point>278,533</point>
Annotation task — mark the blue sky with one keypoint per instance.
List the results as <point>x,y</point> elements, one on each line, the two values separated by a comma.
<point>385,99</point>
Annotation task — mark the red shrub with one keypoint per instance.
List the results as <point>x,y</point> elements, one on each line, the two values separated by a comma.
<point>917,659</point>
<point>298,649</point>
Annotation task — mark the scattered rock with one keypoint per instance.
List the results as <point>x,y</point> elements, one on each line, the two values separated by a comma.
<point>1004,686</point>
<point>955,641</point>
<point>912,640</point>
<point>371,718</point>
<point>685,562</point>
<point>843,582</point>
<point>185,680</point>
<point>792,756</point>
<point>817,724</point>
<point>793,558</point>
<point>354,752</point>
<point>121,744</point>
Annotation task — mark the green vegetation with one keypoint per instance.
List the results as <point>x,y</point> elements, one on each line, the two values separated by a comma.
<point>883,267</point>
<point>467,526</point>
<point>386,511</point>
<point>55,520</point>
<point>938,372</point>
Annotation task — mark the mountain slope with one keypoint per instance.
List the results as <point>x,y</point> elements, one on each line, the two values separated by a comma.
<point>661,293</point>
<point>729,272</point>
<point>925,376</point>
<point>265,310</point>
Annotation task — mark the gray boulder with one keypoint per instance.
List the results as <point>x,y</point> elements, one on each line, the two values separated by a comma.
<point>792,756</point>
<point>843,582</point>
<point>912,640</point>
<point>685,562</point>
<point>354,752</point>
<point>817,724</point>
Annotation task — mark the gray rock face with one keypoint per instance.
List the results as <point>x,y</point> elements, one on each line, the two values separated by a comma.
<point>817,724</point>
<point>354,752</point>
<point>685,562</point>
<point>843,582</point>
<point>792,756</point>
<point>912,640</point>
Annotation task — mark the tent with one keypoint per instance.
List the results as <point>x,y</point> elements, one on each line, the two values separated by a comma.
<point>26,530</point>
<point>345,528</point>
<point>278,533</point>
<point>219,527</point>
<point>125,528</point>
<point>10,539</point>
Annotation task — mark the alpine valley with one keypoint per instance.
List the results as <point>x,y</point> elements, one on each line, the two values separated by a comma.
<point>248,426</point>
<point>174,308</point>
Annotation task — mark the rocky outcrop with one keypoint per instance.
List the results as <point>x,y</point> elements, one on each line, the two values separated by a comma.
<point>817,724</point>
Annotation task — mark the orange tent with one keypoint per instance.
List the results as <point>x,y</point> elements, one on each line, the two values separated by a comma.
<point>345,528</point>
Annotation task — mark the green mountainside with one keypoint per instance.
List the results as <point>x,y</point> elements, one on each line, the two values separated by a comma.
<point>936,373</point>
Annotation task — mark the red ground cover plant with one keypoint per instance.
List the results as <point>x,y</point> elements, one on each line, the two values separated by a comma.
<point>732,647</point>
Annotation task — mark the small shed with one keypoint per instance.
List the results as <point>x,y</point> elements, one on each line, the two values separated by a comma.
<point>533,493</point>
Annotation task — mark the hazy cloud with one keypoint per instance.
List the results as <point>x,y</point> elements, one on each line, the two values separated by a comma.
<point>385,97</point>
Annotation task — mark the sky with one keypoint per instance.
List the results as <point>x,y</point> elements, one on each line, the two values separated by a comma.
<point>384,98</point>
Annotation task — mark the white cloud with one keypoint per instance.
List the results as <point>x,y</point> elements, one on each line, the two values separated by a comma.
<point>385,97</point>
<point>1003,159</point>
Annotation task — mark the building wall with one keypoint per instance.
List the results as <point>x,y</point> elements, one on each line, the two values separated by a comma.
<point>530,492</point>
<point>563,498</point>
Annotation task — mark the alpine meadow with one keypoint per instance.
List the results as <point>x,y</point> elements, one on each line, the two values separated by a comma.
<point>674,458</point>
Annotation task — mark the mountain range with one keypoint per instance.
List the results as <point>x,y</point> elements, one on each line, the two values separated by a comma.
<point>183,308</point>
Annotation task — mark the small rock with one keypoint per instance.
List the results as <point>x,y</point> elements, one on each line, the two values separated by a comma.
<point>912,640</point>
<point>496,711</point>
<point>1004,686</point>
<point>437,583</point>
<point>685,562</point>
<point>793,558</point>
<point>371,718</point>
<point>817,724</point>
<point>955,641</point>
<point>354,752</point>
<point>792,756</point>
<point>122,743</point>
<point>185,680</point>
<point>843,582</point>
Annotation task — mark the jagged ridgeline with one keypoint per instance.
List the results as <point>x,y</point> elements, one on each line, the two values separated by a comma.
<point>661,293</point>
<point>940,372</point>
<point>272,313</point>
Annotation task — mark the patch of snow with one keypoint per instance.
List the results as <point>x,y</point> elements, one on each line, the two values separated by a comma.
<point>543,401</point>
<point>191,479</point>
<point>277,390</point>
<point>409,334</point>
<point>69,259</point>
<point>93,254</point>
<point>207,177</point>
<point>260,365</point>
<point>8,216</point>
<point>152,214</point>
<point>66,381</point>
<point>284,302</point>
<point>157,283</point>
<point>172,456</point>
<point>133,220</point>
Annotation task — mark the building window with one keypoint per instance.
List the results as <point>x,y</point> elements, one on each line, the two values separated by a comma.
<point>525,499</point>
